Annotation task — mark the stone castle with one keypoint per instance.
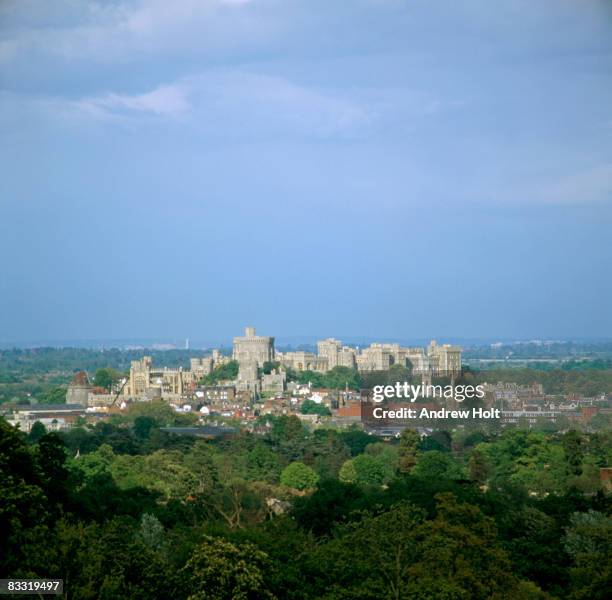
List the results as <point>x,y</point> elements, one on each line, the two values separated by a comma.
<point>252,352</point>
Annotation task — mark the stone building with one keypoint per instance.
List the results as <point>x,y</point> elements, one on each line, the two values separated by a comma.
<point>274,382</point>
<point>303,361</point>
<point>202,366</point>
<point>336,354</point>
<point>378,357</point>
<point>329,349</point>
<point>253,348</point>
<point>79,389</point>
<point>445,359</point>
<point>248,378</point>
<point>150,382</point>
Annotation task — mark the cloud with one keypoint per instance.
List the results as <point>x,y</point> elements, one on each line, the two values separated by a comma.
<point>121,31</point>
<point>245,102</point>
<point>227,103</point>
<point>165,100</point>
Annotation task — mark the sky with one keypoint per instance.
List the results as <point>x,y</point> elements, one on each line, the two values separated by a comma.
<point>381,168</point>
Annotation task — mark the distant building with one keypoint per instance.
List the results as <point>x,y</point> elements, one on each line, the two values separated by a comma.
<point>248,378</point>
<point>147,382</point>
<point>202,366</point>
<point>253,348</point>
<point>217,394</point>
<point>273,382</point>
<point>303,361</point>
<point>78,389</point>
<point>336,354</point>
<point>445,359</point>
<point>53,416</point>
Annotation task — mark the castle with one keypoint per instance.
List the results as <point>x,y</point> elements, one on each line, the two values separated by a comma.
<point>252,352</point>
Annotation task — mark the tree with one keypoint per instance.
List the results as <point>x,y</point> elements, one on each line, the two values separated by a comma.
<point>588,541</point>
<point>459,556</point>
<point>51,455</point>
<point>373,557</point>
<point>269,366</point>
<point>356,440</point>
<point>56,395</point>
<point>38,431</point>
<point>106,378</point>
<point>160,411</point>
<point>220,570</point>
<point>299,476</point>
<point>310,407</point>
<point>369,469</point>
<point>152,532</point>
<point>340,377</point>
<point>437,465</point>
<point>348,473</point>
<point>143,425</point>
<point>111,561</point>
<point>409,443</point>
<point>24,509</point>
<point>572,446</point>
<point>225,372</point>
<point>263,463</point>
<point>479,467</point>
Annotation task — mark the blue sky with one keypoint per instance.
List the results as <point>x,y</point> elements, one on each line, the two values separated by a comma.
<point>379,168</point>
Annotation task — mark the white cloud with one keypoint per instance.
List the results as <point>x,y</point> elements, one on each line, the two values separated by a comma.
<point>166,100</point>
<point>244,102</point>
<point>228,104</point>
<point>123,30</point>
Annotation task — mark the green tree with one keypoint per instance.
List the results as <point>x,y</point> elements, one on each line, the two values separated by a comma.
<point>340,377</point>
<point>38,431</point>
<point>299,476</point>
<point>572,447</point>
<point>369,469</point>
<point>437,465</point>
<point>225,372</point>
<point>56,395</point>
<point>152,532</point>
<point>409,443</point>
<point>459,556</point>
<point>25,517</point>
<point>106,378</point>
<point>310,407</point>
<point>348,473</point>
<point>220,570</point>
<point>588,540</point>
<point>269,366</point>
<point>479,467</point>
<point>143,425</point>
<point>373,557</point>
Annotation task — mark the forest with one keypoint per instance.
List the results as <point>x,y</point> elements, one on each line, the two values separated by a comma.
<point>124,510</point>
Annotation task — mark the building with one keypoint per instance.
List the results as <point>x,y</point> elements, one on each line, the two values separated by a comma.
<point>445,359</point>
<point>53,416</point>
<point>274,382</point>
<point>303,361</point>
<point>248,378</point>
<point>253,348</point>
<point>217,394</point>
<point>378,357</point>
<point>336,354</point>
<point>79,389</point>
<point>202,366</point>
<point>147,382</point>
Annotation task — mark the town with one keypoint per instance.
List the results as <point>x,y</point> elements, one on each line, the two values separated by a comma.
<point>256,380</point>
